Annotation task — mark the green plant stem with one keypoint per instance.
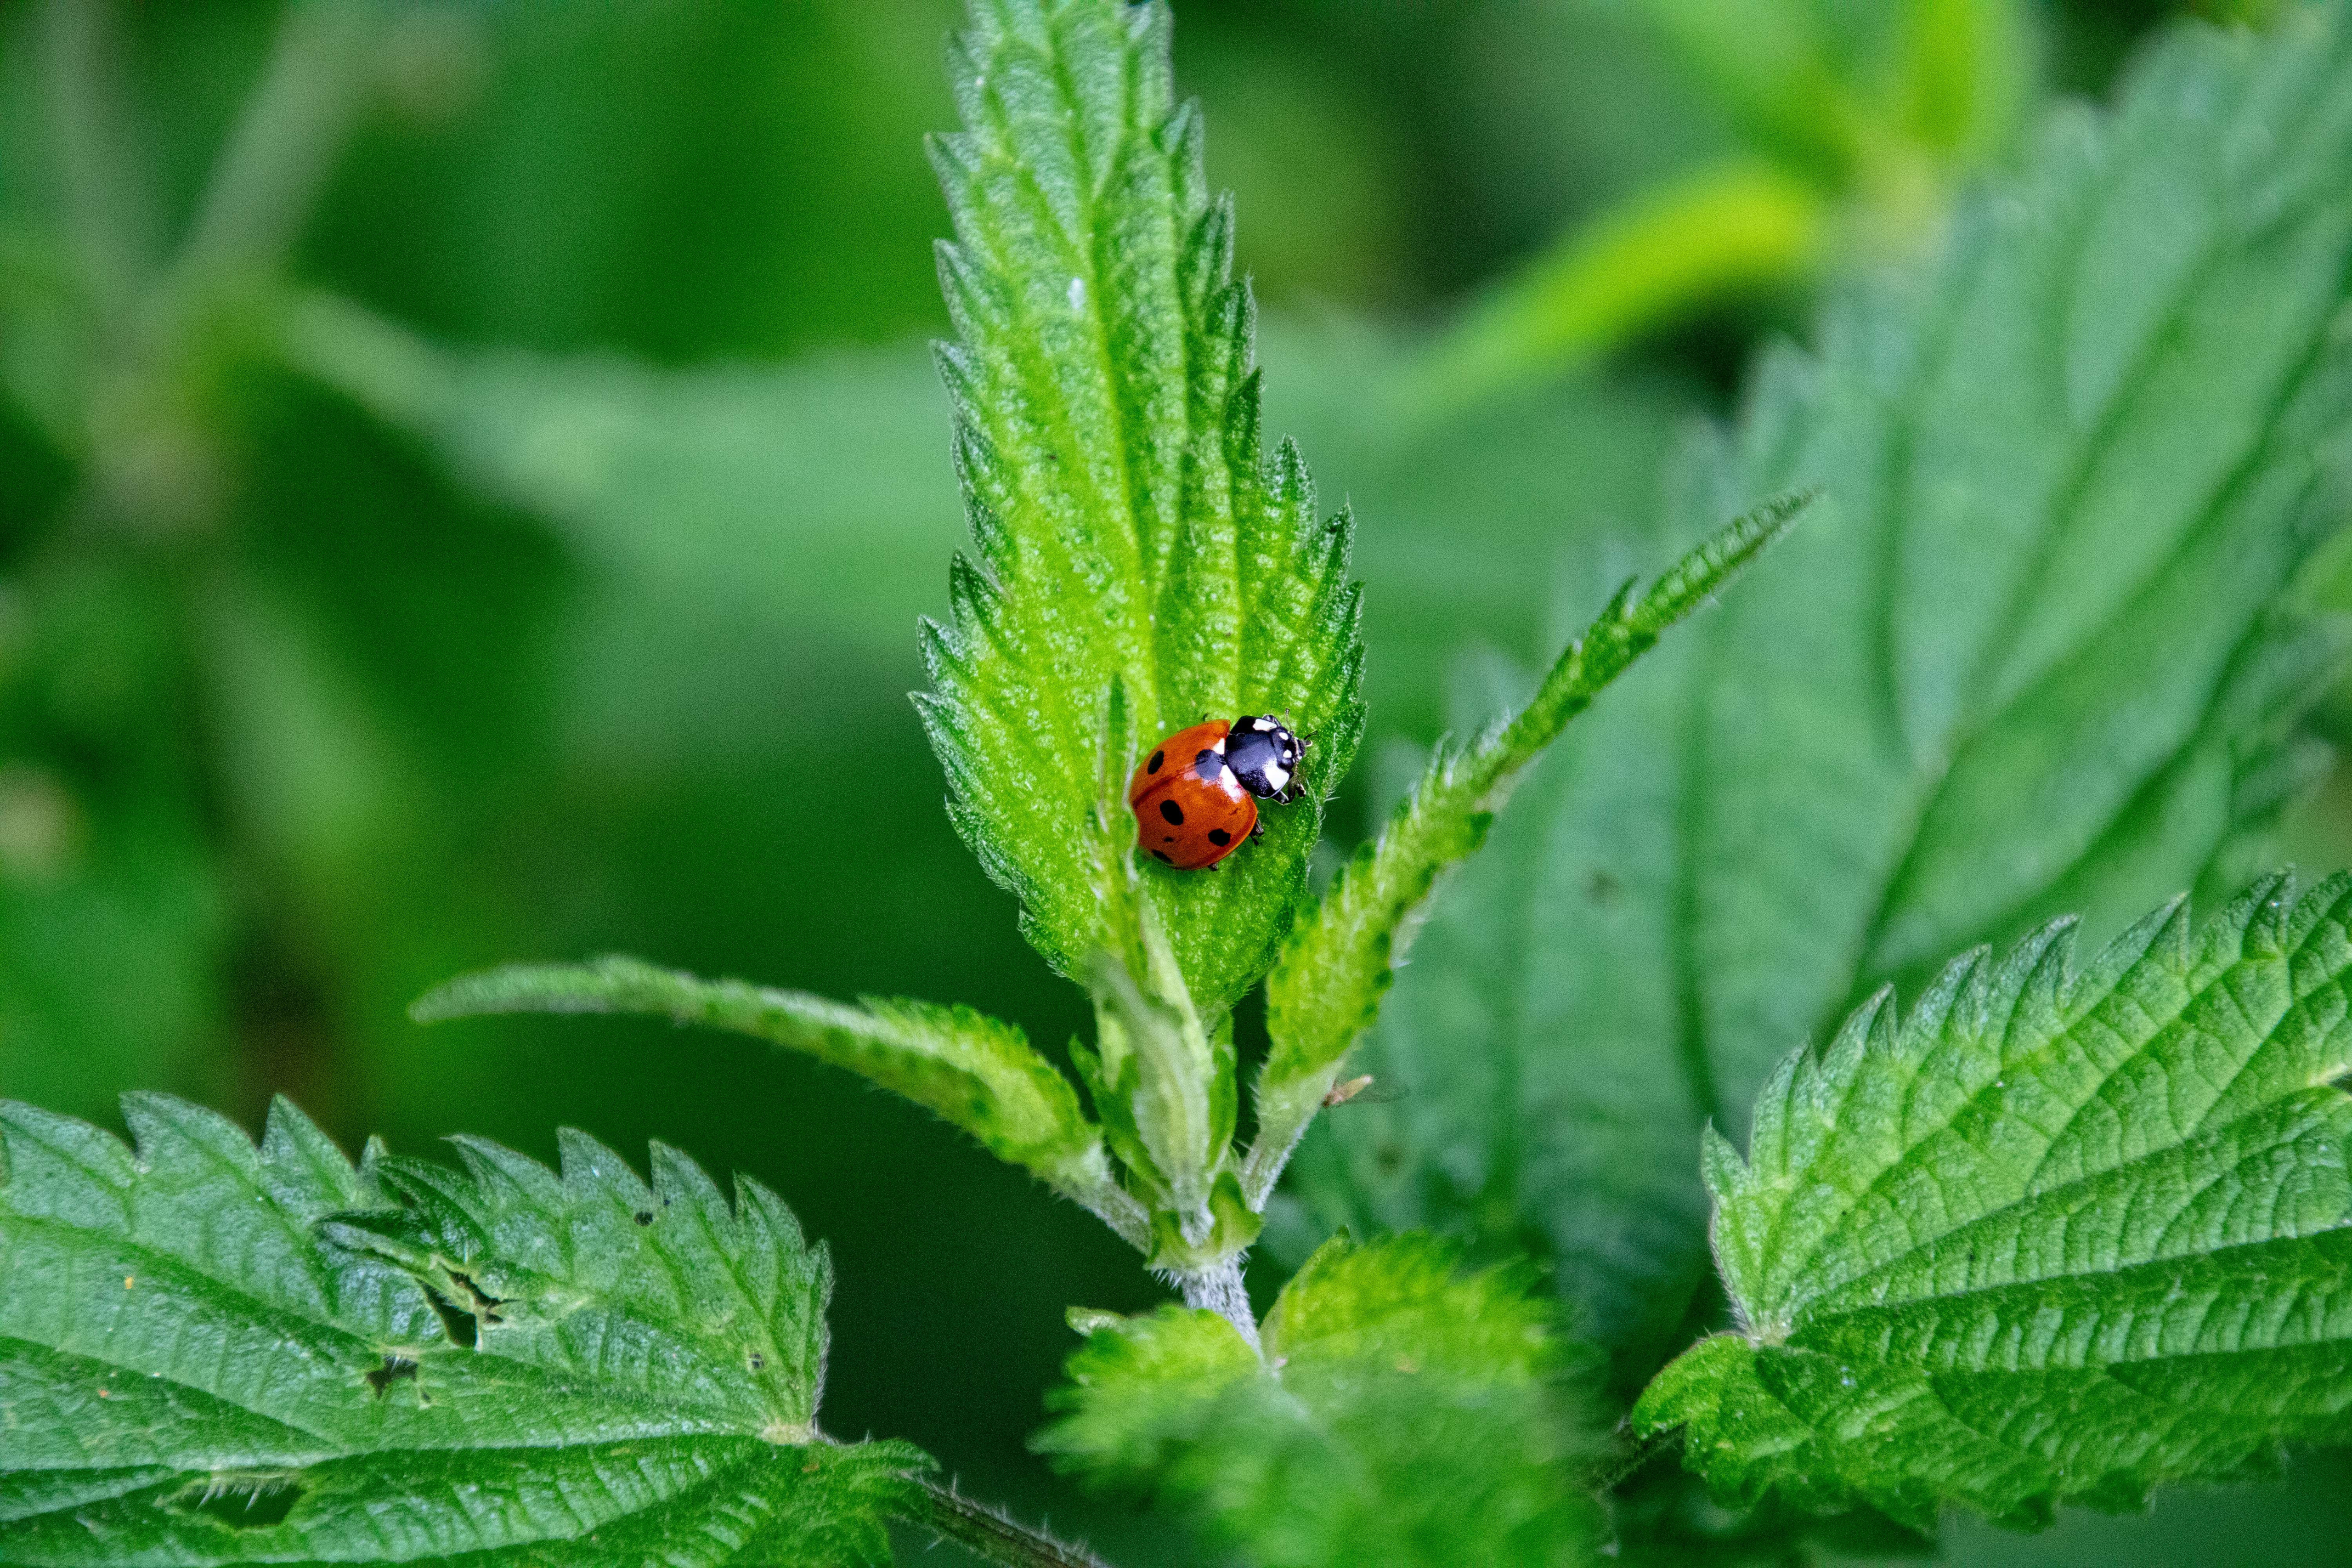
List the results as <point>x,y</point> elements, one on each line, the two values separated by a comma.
<point>287,140</point>
<point>1218,1289</point>
<point>105,210</point>
<point>991,1536</point>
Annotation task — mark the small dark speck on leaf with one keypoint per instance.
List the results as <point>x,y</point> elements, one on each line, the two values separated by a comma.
<point>394,1369</point>
<point>645,1216</point>
<point>758,1361</point>
<point>1602,888</point>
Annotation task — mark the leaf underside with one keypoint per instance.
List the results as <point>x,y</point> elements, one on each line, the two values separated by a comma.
<point>1404,1414</point>
<point>2023,657</point>
<point>2055,1237</point>
<point>216,1354</point>
<point>1130,533</point>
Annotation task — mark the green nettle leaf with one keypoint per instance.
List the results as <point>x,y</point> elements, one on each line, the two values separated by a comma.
<point>214,1353</point>
<point>2024,656</point>
<point>973,1071</point>
<point>2053,1236</point>
<point>1404,1414</point>
<point>1130,533</point>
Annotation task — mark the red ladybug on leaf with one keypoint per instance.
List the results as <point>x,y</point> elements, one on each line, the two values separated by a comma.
<point>1195,797</point>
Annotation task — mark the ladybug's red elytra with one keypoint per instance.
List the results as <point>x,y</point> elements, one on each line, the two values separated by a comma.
<point>1195,797</point>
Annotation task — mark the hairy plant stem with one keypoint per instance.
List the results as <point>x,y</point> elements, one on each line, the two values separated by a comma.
<point>1219,1290</point>
<point>990,1536</point>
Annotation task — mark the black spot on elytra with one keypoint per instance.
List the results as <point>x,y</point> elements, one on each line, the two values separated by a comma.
<point>1162,855</point>
<point>1173,812</point>
<point>645,1216</point>
<point>1220,837</point>
<point>1153,765</point>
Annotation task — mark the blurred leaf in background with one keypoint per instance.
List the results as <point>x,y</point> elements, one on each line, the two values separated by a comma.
<point>1847,128</point>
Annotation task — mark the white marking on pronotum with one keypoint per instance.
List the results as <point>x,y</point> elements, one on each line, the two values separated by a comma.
<point>1078,293</point>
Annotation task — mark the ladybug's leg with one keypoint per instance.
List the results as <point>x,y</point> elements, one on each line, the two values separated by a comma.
<point>1258,831</point>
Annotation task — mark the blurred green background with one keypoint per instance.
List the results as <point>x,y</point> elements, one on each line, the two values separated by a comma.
<point>468,474</point>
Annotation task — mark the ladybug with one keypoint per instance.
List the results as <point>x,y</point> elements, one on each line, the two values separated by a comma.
<point>1195,797</point>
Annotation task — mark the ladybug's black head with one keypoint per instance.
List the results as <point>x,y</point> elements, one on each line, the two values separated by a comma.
<point>1264,755</point>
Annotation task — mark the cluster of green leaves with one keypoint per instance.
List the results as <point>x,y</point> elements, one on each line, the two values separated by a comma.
<point>214,1353</point>
<point>1402,1410</point>
<point>2032,652</point>
<point>1885,693</point>
<point>1140,564</point>
<point>2053,1236</point>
